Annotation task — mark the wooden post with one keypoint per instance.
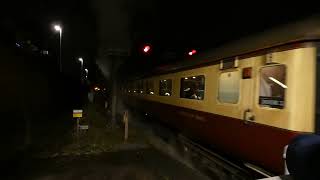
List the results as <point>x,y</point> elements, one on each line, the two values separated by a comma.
<point>78,129</point>
<point>77,113</point>
<point>78,125</point>
<point>125,121</point>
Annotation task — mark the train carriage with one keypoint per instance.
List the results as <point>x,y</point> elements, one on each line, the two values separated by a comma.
<point>248,99</point>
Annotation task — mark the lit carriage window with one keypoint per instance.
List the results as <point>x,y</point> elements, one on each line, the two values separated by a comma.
<point>272,86</point>
<point>150,87</point>
<point>165,87</point>
<point>229,85</point>
<point>140,87</point>
<point>124,88</point>
<point>130,87</point>
<point>135,87</point>
<point>192,87</point>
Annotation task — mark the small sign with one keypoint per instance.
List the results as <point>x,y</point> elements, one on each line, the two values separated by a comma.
<point>229,63</point>
<point>84,127</point>
<point>247,73</point>
<point>273,102</point>
<point>77,113</point>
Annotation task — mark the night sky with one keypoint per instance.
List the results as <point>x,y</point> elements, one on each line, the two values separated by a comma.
<point>171,27</point>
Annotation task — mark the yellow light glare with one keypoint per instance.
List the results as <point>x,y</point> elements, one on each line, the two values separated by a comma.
<point>278,82</point>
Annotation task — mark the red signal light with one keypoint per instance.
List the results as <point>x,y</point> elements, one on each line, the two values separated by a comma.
<point>146,48</point>
<point>192,52</point>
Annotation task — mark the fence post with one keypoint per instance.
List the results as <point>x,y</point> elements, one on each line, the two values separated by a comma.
<point>286,171</point>
<point>125,121</point>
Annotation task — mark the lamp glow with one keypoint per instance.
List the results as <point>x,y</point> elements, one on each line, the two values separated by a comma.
<point>57,28</point>
<point>278,82</point>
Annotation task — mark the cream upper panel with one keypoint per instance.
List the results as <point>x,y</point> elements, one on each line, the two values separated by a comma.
<point>273,116</point>
<point>305,91</point>
<point>298,113</point>
<point>175,98</point>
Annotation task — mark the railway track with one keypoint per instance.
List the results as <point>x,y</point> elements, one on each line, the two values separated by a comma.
<point>204,160</point>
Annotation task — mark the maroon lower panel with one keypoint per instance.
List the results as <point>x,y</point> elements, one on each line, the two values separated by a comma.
<point>255,143</point>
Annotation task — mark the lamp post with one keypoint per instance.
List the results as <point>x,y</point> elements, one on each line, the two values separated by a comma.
<point>81,61</point>
<point>86,70</point>
<point>58,28</point>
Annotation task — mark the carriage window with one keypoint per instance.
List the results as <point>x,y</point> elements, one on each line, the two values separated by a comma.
<point>192,87</point>
<point>140,87</point>
<point>229,86</point>
<point>272,86</point>
<point>135,87</point>
<point>124,88</point>
<point>150,87</point>
<point>165,87</point>
<point>129,88</point>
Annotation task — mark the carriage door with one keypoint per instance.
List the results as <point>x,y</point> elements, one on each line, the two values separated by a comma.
<point>284,89</point>
<point>247,89</point>
<point>265,86</point>
<point>277,95</point>
<point>263,89</point>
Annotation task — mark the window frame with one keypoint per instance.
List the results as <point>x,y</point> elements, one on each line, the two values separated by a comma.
<point>190,76</point>
<point>140,86</point>
<point>147,82</point>
<point>257,99</point>
<point>171,90</point>
<point>130,87</point>
<point>218,85</point>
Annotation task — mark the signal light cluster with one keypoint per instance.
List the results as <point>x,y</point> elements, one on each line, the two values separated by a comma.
<point>192,52</point>
<point>146,49</point>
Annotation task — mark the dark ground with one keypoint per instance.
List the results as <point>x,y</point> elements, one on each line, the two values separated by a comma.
<point>145,163</point>
<point>101,153</point>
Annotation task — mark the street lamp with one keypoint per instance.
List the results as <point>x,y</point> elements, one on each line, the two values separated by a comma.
<point>86,70</point>
<point>81,61</point>
<point>58,28</point>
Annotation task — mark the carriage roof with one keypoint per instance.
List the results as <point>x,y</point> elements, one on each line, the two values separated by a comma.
<point>271,40</point>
